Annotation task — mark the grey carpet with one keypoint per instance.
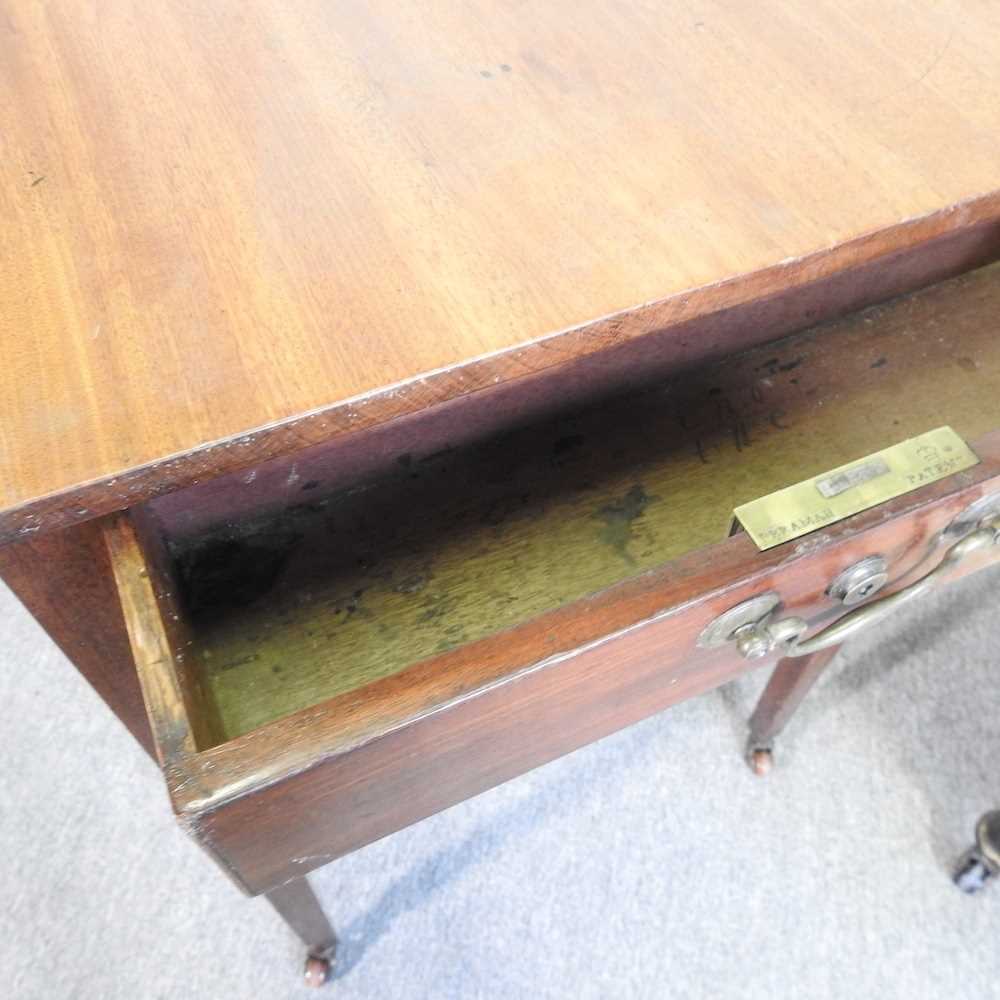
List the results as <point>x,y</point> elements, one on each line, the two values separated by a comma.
<point>652,864</point>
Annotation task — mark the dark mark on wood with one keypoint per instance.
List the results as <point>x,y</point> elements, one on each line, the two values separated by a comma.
<point>619,517</point>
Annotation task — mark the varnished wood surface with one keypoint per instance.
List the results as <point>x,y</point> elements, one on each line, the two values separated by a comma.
<point>218,217</point>
<point>342,589</point>
<point>179,713</point>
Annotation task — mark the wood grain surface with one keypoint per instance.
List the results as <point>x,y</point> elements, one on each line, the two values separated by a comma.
<point>341,588</point>
<point>179,713</point>
<point>222,219</point>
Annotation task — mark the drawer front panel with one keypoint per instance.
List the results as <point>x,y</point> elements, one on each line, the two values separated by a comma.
<point>341,789</point>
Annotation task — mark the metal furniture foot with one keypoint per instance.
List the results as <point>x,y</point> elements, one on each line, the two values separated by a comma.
<point>981,863</point>
<point>298,906</point>
<point>789,684</point>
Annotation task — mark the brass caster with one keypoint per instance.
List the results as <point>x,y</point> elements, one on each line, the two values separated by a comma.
<point>981,864</point>
<point>761,760</point>
<point>317,971</point>
<point>972,873</point>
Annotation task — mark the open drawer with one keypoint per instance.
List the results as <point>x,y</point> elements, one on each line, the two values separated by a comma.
<point>328,655</point>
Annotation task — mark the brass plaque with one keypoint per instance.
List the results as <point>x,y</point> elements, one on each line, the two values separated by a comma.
<point>822,500</point>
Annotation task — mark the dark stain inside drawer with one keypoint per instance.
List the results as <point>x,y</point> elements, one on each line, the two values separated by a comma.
<point>341,588</point>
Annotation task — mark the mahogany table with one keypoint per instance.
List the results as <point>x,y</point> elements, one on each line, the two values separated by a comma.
<point>379,380</point>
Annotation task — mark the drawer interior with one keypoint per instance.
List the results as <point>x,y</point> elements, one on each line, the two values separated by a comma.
<point>335,588</point>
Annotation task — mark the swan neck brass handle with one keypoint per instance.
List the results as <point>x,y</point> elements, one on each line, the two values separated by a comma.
<point>788,633</point>
<point>762,635</point>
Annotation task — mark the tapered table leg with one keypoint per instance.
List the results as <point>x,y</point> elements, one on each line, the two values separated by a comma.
<point>789,684</point>
<point>301,910</point>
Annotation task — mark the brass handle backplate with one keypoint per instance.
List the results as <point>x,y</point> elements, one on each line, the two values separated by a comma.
<point>756,632</point>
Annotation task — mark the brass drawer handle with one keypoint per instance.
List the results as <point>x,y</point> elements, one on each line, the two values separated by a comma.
<point>756,635</point>
<point>871,614</point>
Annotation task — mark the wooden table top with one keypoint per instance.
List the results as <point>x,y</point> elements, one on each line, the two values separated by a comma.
<point>219,218</point>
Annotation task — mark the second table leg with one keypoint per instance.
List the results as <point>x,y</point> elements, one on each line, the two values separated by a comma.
<point>789,684</point>
<point>301,910</point>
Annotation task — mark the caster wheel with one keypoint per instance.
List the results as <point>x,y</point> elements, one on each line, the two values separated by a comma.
<point>972,873</point>
<point>761,761</point>
<point>317,971</point>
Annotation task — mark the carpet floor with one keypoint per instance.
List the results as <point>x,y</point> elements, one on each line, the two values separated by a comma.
<point>650,865</point>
